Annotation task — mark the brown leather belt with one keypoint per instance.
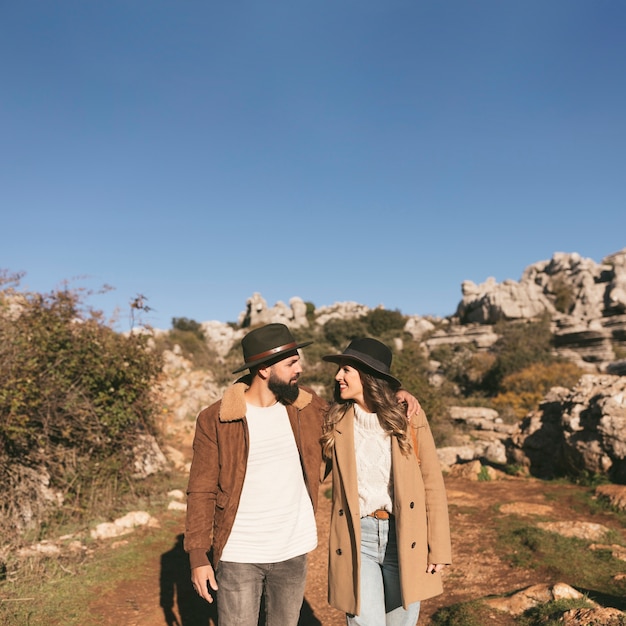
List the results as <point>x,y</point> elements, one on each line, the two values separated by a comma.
<point>380,514</point>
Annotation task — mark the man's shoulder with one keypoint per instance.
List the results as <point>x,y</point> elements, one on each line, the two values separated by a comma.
<point>230,406</point>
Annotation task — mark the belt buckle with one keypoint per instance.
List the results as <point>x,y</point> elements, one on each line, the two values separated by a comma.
<point>380,514</point>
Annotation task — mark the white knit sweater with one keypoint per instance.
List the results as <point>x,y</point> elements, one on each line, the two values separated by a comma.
<point>372,447</point>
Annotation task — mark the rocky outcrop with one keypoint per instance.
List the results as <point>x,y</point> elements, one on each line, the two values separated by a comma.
<point>340,310</point>
<point>536,595</point>
<point>184,391</point>
<point>519,602</point>
<point>586,302</point>
<point>576,431</point>
<point>567,283</point>
<point>481,435</point>
<point>480,336</point>
<point>257,312</point>
<point>491,301</point>
<point>221,337</point>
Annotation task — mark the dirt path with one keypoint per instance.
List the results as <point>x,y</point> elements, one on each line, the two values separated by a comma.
<point>476,572</point>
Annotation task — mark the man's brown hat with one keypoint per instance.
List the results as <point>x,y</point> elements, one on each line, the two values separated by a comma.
<point>267,343</point>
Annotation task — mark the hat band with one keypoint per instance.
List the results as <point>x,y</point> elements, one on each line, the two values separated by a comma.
<point>288,346</point>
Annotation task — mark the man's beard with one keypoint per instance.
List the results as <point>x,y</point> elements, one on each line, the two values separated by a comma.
<point>285,392</point>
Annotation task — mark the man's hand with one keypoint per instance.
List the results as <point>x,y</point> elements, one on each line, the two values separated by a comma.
<point>433,568</point>
<point>412,405</point>
<point>200,576</point>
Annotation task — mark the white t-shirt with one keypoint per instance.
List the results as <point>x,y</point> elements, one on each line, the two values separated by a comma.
<point>275,519</point>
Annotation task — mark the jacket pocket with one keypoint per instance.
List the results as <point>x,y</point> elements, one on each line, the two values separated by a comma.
<point>221,500</point>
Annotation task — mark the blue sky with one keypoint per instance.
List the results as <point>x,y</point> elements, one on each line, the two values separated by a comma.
<point>197,152</point>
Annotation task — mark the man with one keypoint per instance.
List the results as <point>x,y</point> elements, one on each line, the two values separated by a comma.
<point>254,483</point>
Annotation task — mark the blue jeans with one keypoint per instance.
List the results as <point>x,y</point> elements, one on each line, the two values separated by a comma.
<point>381,599</point>
<point>241,585</point>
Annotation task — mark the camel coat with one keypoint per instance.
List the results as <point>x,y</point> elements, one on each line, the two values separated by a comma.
<point>421,516</point>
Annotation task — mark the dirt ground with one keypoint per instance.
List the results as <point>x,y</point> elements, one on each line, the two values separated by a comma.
<point>161,595</point>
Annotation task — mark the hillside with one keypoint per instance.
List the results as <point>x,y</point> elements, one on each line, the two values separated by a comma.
<point>523,390</point>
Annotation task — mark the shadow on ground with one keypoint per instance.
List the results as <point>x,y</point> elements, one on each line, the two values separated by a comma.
<point>181,604</point>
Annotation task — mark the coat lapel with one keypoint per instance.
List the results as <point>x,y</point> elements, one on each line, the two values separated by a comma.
<point>346,462</point>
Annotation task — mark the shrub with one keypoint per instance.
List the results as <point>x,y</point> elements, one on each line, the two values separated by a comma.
<point>379,321</point>
<point>185,324</point>
<point>73,393</point>
<point>523,391</point>
<point>193,346</point>
<point>464,365</point>
<point>563,294</point>
<point>411,367</point>
<point>520,344</point>
<point>339,332</point>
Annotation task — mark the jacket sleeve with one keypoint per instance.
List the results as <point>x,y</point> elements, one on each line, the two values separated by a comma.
<point>202,488</point>
<point>439,542</point>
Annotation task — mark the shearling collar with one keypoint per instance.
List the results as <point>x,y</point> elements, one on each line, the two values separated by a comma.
<point>233,406</point>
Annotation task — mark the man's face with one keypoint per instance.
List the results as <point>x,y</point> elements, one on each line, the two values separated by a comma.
<point>283,380</point>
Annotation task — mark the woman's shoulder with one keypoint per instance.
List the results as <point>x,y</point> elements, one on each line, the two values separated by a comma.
<point>418,420</point>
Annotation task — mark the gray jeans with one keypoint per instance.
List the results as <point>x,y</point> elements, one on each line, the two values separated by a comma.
<point>241,585</point>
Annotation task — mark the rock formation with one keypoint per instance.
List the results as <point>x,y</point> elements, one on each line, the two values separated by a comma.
<point>585,300</point>
<point>257,312</point>
<point>576,431</point>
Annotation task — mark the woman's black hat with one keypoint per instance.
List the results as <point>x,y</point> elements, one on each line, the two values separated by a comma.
<point>368,352</point>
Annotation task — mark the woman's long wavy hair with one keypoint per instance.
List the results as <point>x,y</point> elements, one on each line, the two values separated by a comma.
<point>380,396</point>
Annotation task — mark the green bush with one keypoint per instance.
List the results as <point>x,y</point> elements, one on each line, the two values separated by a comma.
<point>339,332</point>
<point>379,322</point>
<point>193,346</point>
<point>74,394</point>
<point>410,366</point>
<point>187,325</point>
<point>463,365</point>
<point>520,345</point>
<point>563,292</point>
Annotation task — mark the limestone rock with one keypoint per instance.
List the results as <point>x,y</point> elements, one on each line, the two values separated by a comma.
<point>615,494</point>
<point>583,429</point>
<point>257,312</point>
<point>589,531</point>
<point>482,337</point>
<point>221,337</point>
<point>600,616</point>
<point>340,310</point>
<point>533,596</point>
<point>418,326</point>
<point>123,525</point>
<point>183,390</point>
<point>148,458</point>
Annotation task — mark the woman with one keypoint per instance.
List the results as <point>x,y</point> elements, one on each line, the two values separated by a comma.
<point>389,531</point>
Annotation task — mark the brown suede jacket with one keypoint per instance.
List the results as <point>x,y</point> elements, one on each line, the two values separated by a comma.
<point>218,468</point>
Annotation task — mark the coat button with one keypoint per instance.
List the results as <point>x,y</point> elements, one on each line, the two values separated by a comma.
<point>340,512</point>
<point>338,551</point>
<point>413,545</point>
<point>412,505</point>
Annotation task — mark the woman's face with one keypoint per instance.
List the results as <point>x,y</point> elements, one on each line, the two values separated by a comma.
<point>350,385</point>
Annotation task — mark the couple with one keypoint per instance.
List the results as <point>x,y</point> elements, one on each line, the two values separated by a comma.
<point>255,478</point>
